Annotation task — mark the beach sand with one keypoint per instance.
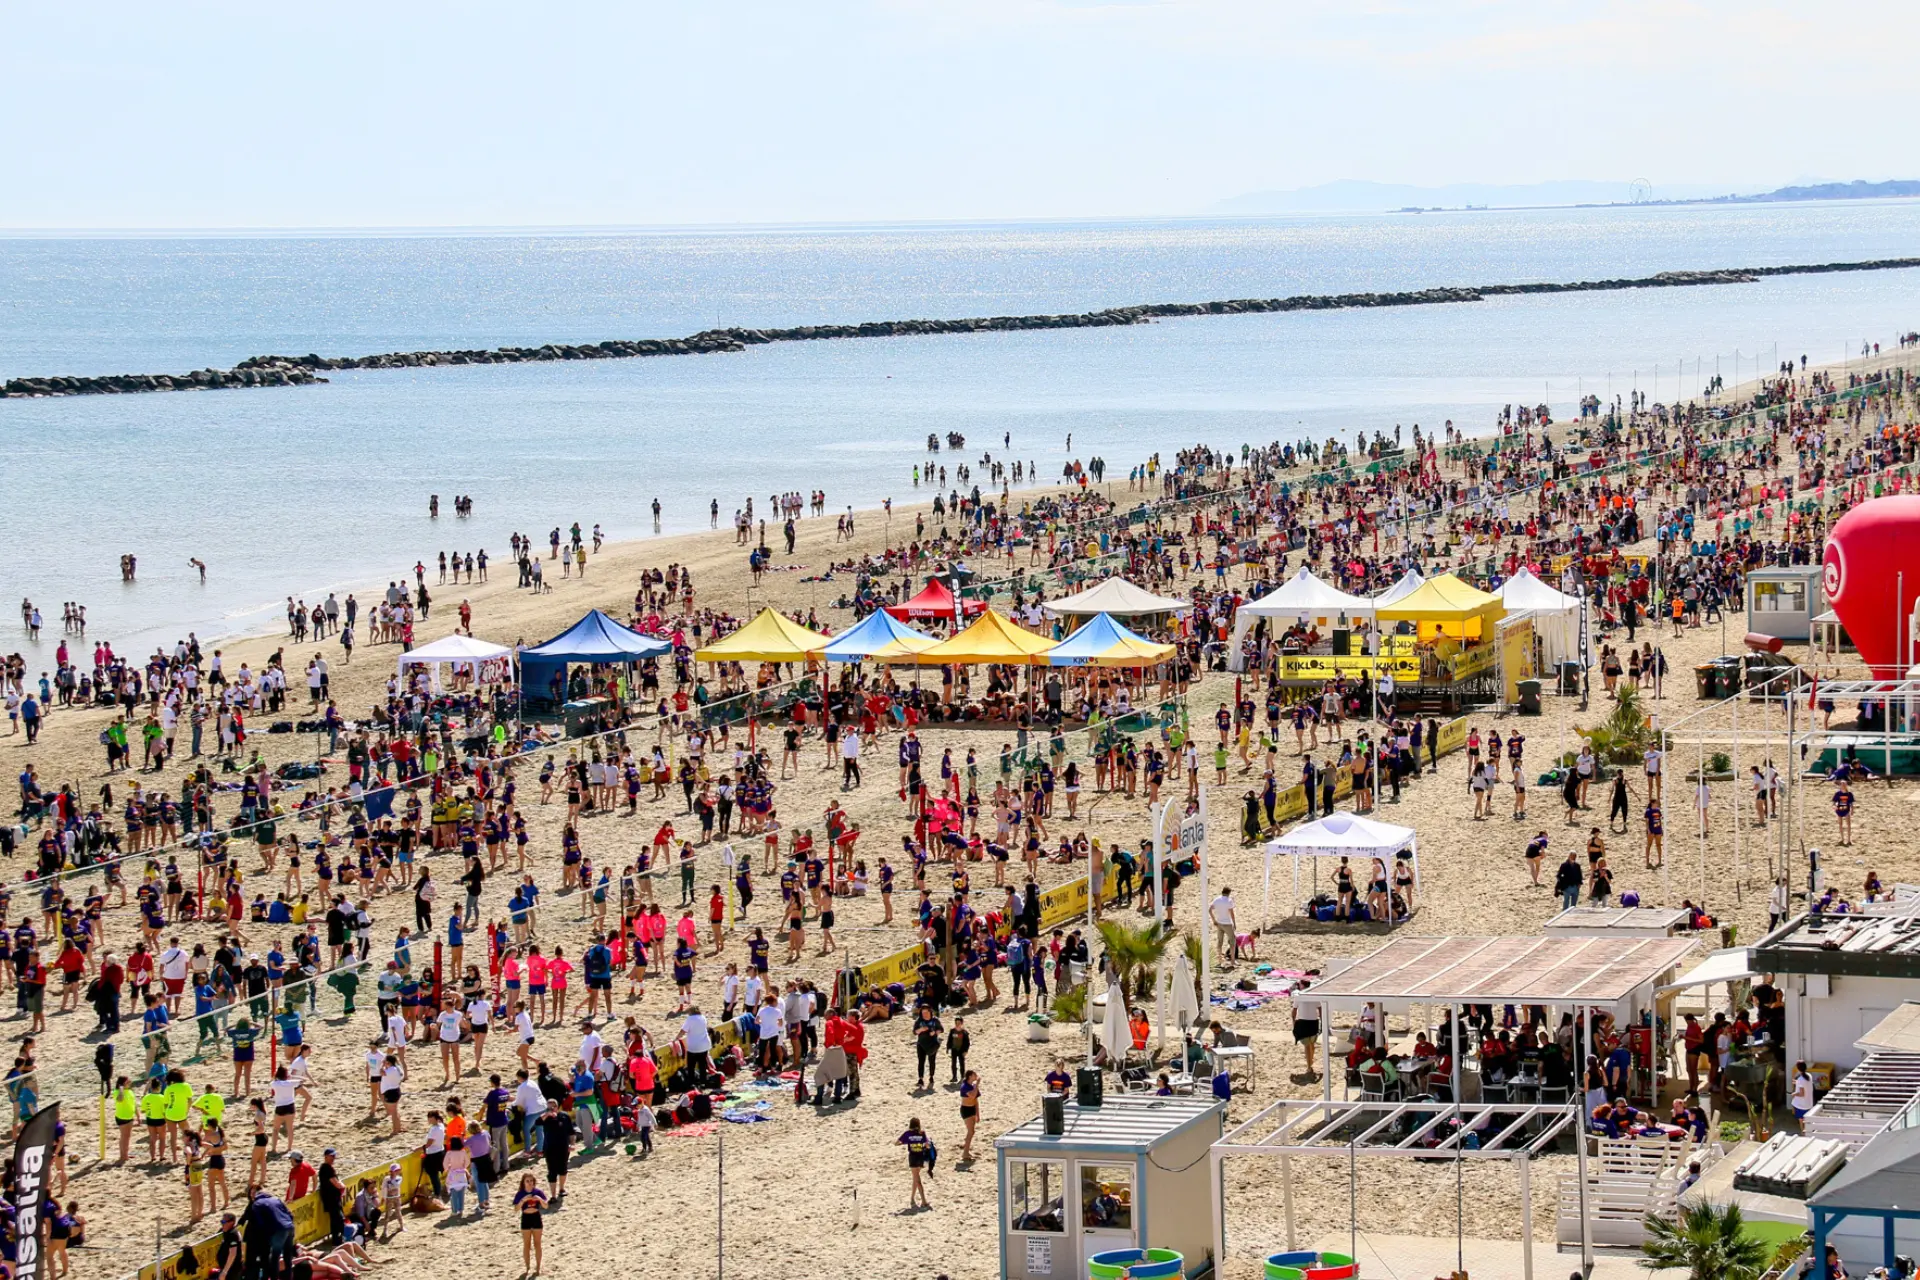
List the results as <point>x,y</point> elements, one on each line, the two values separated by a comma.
<point>815,1192</point>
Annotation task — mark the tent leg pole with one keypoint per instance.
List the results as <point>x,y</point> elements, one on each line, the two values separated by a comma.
<point>1526,1218</point>
<point>1219,1214</point>
<point>1286,1196</point>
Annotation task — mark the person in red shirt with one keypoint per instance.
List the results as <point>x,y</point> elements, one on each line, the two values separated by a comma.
<point>717,919</point>
<point>71,963</point>
<point>299,1178</point>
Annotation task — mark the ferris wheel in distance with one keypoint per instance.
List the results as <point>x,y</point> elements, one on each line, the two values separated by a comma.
<point>1640,192</point>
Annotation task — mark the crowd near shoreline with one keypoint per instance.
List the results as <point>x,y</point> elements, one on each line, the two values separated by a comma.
<point>286,882</point>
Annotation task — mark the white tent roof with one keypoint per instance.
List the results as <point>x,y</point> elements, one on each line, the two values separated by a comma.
<point>1730,965</point>
<point>1338,835</point>
<point>1118,597</point>
<point>454,648</point>
<point>1343,835</point>
<point>1524,591</point>
<point>1305,594</point>
<point>1410,581</point>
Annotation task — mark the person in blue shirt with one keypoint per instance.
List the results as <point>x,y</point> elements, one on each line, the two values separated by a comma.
<point>456,938</point>
<point>153,1029</point>
<point>585,1086</point>
<point>597,964</point>
<point>205,1002</point>
<point>292,1028</point>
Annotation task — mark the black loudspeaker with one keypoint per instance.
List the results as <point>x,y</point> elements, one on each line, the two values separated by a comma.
<point>1090,1087</point>
<point>1053,1114</point>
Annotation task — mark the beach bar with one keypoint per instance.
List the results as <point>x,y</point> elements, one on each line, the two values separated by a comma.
<point>1130,1174</point>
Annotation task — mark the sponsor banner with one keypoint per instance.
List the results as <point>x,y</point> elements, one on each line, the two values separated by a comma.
<point>1325,666</point>
<point>1066,902</point>
<point>32,1167</point>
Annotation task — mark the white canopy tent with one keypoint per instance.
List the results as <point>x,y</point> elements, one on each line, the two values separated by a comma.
<point>1302,596</point>
<point>1338,835</point>
<point>1117,597</point>
<point>460,651</point>
<point>1410,581</point>
<point>1556,615</point>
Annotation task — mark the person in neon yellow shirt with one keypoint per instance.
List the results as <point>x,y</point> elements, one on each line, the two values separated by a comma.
<point>126,1109</point>
<point>177,1104</point>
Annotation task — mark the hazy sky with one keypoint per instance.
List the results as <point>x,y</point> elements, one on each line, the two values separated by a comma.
<point>418,113</point>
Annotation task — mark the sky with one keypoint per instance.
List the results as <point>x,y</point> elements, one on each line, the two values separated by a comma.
<point>418,113</point>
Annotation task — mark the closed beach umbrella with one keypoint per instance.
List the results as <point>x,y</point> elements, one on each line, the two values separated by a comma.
<point>1186,1006</point>
<point>1114,1032</point>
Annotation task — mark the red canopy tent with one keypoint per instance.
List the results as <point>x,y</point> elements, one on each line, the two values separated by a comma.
<point>935,600</point>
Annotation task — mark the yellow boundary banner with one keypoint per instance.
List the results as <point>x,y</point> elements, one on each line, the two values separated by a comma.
<point>309,1220</point>
<point>1066,902</point>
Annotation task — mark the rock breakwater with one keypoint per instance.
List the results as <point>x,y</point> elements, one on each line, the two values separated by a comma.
<point>289,371</point>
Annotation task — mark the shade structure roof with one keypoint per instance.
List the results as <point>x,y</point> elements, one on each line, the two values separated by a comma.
<point>454,648</point>
<point>1885,1175</point>
<point>1525,591</point>
<point>1305,594</point>
<point>1343,835</point>
<point>1409,582</point>
<point>1898,1032</point>
<point>598,638</point>
<point>1507,970</point>
<point>993,637</point>
<point>1443,599</point>
<point>770,637</point>
<point>1118,597</point>
<point>1102,642</point>
<point>878,637</point>
<point>935,600</point>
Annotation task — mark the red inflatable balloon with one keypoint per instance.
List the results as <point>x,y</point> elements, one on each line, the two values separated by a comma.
<point>1872,557</point>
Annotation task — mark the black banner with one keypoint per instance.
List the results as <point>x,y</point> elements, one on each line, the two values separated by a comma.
<point>32,1158</point>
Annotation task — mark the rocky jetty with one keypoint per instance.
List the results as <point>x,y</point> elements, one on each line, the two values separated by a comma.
<point>290,371</point>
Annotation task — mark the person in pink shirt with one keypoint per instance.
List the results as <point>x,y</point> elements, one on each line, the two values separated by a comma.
<point>537,983</point>
<point>557,970</point>
<point>688,931</point>
<point>657,936</point>
<point>510,974</point>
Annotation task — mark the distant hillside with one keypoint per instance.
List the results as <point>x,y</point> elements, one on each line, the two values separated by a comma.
<point>1855,190</point>
<point>1353,196</point>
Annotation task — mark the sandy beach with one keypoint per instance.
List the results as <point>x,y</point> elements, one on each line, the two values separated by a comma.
<point>825,1191</point>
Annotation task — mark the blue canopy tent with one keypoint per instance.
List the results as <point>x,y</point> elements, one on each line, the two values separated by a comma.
<point>595,640</point>
<point>1102,642</point>
<point>878,637</point>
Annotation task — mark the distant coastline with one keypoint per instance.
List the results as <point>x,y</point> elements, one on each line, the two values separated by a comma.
<point>288,371</point>
<point>1896,189</point>
<point>1465,197</point>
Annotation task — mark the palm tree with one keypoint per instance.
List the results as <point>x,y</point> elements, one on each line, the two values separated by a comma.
<point>1135,949</point>
<point>1709,1242</point>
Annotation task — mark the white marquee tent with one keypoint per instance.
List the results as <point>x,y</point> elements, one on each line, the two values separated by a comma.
<point>1556,615</point>
<point>1301,596</point>
<point>1339,835</point>
<point>461,651</point>
<point>1118,598</point>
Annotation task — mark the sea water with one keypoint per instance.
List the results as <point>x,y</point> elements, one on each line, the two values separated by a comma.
<point>298,490</point>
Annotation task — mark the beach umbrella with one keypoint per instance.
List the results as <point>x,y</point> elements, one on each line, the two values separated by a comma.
<point>1114,1032</point>
<point>1163,1004</point>
<point>1186,1006</point>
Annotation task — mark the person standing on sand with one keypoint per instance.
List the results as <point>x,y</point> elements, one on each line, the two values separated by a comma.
<point>920,1157</point>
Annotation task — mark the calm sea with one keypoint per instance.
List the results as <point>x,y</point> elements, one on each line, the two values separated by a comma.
<point>299,490</point>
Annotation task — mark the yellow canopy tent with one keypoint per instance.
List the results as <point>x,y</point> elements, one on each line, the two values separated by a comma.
<point>771,637</point>
<point>1446,606</point>
<point>992,637</point>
